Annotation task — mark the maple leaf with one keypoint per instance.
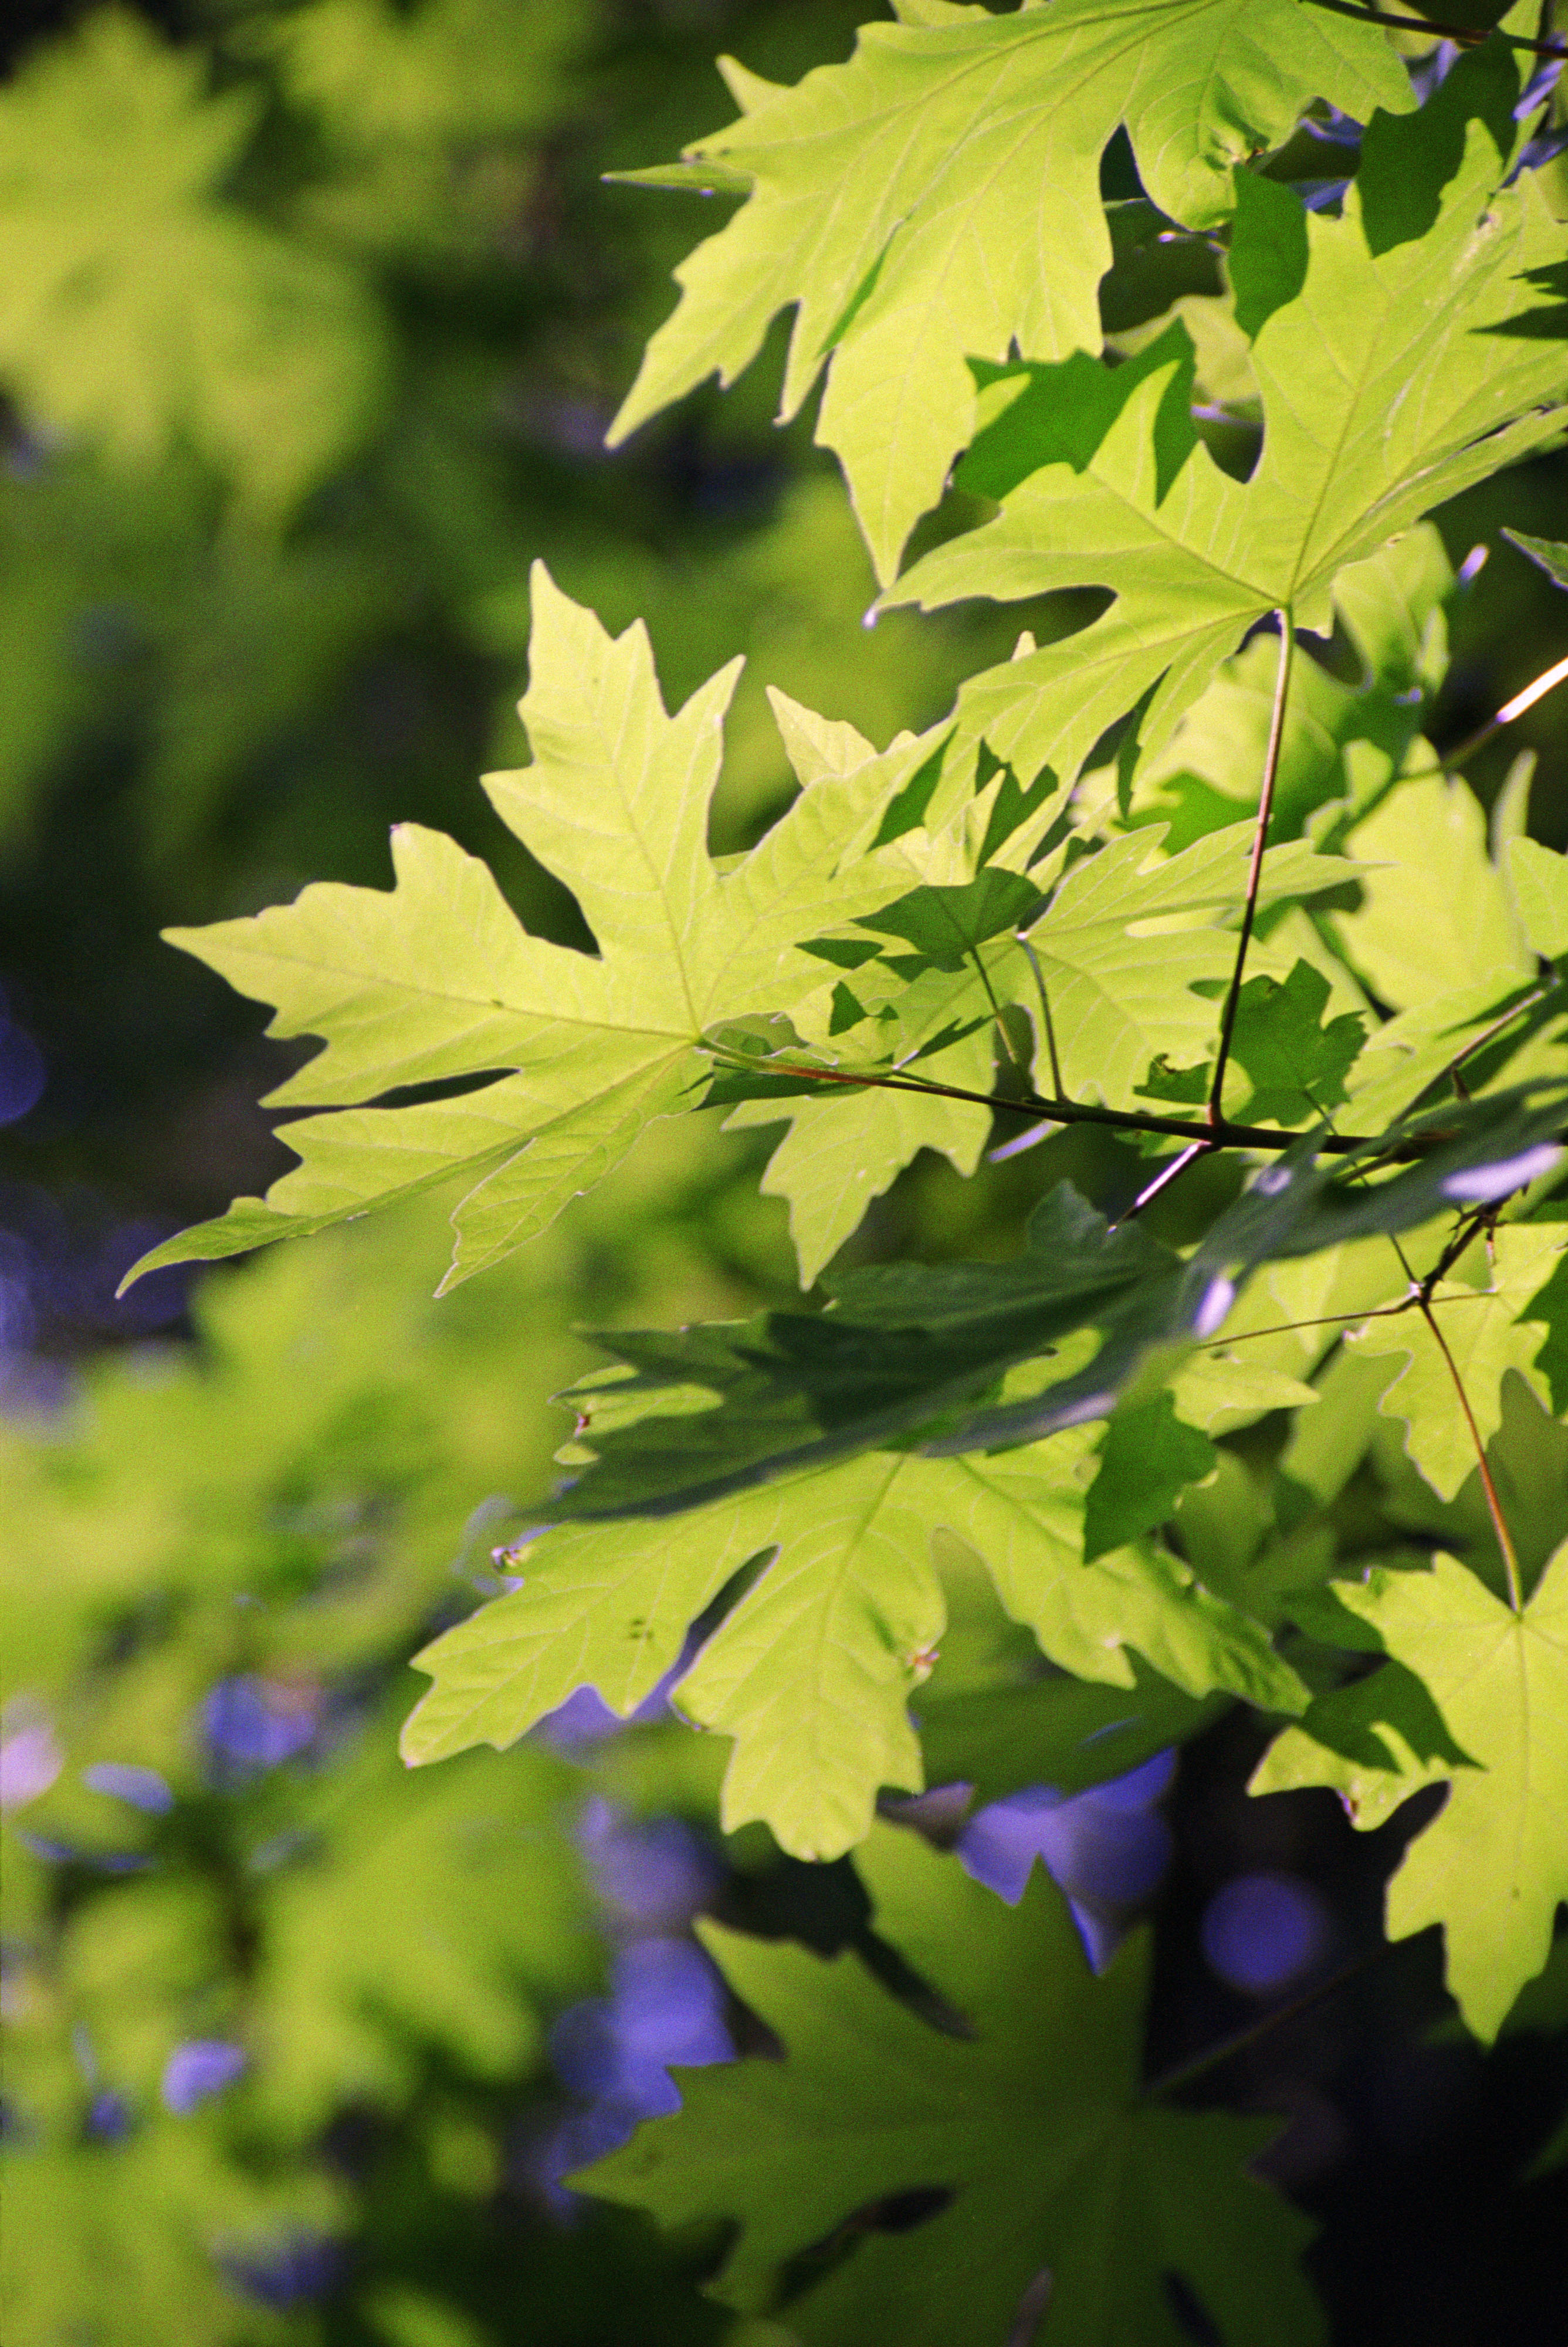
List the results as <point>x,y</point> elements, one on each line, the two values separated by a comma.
<point>437,979</point>
<point>1539,881</point>
<point>1437,915</point>
<point>1149,1455</point>
<point>138,308</point>
<point>1296,1065</point>
<point>1114,944</point>
<point>810,1671</point>
<point>1492,1865</point>
<point>937,197</point>
<point>1485,1312</point>
<point>1031,2126</point>
<point>1388,383</point>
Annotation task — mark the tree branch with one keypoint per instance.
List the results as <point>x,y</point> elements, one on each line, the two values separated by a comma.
<point>1180,1128</point>
<point>1467,35</point>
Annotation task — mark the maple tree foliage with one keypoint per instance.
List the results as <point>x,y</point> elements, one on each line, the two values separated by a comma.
<point>1186,873</point>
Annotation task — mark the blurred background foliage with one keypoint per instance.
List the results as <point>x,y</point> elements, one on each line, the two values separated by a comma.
<point>312,320</point>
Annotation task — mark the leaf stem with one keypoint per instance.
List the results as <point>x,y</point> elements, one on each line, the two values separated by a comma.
<point>1170,2081</point>
<point>1467,35</point>
<point>1537,690</point>
<point>1339,1319</point>
<point>1493,1504</point>
<point>1059,1089</point>
<point>1255,874</point>
<point>1012,1057</point>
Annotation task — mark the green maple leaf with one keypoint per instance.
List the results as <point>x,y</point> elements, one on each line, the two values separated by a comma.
<point>1296,1065</point>
<point>812,1671</point>
<point>1033,2126</point>
<point>1492,1866</point>
<point>138,307</point>
<point>937,197</point>
<point>1539,883</point>
<point>437,979</point>
<point>1148,1456</point>
<point>1437,915</point>
<point>1102,481</point>
<point>1486,1315</point>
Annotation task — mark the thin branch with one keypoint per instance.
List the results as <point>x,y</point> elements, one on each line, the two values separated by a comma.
<point>1340,1319</point>
<point>1547,681</point>
<point>1182,1128</point>
<point>1537,994</point>
<point>1493,1504</point>
<point>1057,1087</point>
<point>1255,874</point>
<point>1467,1228</point>
<point>1467,35</point>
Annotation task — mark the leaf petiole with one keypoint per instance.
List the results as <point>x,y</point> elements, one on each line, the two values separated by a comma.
<point>1254,871</point>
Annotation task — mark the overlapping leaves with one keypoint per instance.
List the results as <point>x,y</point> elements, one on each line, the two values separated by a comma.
<point>936,198</point>
<point>1391,351</point>
<point>812,1670</point>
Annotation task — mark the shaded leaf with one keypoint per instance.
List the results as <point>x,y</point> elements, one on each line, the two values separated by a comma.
<point>1148,1456</point>
<point>1033,2126</point>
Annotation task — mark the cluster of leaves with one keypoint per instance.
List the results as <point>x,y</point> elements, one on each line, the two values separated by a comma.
<point>1137,1449</point>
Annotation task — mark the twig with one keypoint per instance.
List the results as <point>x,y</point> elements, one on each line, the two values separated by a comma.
<point>1467,35</point>
<point>1255,874</point>
<point>1013,1060</point>
<point>1547,681</point>
<point>1064,1111</point>
<point>1339,1319</point>
<point>1537,994</point>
